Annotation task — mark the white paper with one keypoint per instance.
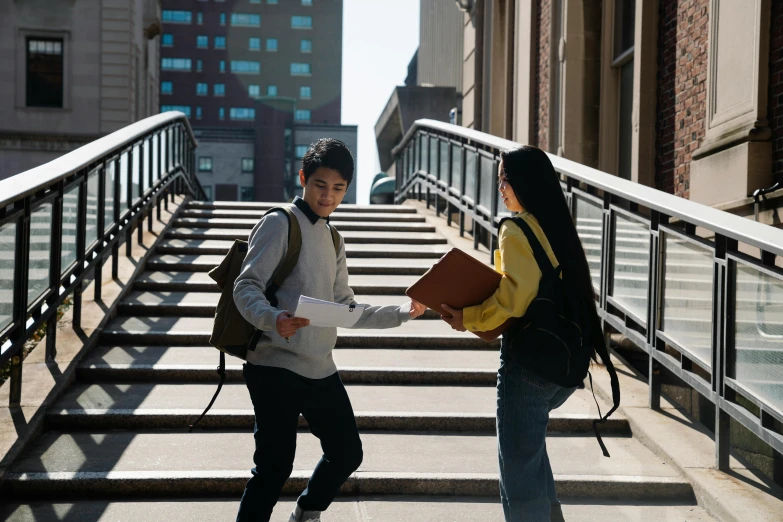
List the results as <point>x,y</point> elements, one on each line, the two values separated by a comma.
<point>328,314</point>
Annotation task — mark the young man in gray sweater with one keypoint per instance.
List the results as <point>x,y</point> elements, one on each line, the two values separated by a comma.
<point>291,370</point>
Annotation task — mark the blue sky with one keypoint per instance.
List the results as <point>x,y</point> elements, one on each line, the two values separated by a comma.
<point>379,39</point>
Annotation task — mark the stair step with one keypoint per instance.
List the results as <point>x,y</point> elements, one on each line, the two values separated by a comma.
<point>405,238</point>
<point>128,464</point>
<point>356,365</point>
<point>201,282</point>
<point>373,217</point>
<point>263,206</point>
<point>342,226</point>
<point>187,263</point>
<point>195,304</point>
<point>144,406</point>
<point>360,250</point>
<point>353,509</point>
<point>195,331</point>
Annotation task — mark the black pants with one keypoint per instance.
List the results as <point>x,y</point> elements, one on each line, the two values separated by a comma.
<point>279,396</point>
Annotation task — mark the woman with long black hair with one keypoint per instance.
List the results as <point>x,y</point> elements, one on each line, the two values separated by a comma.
<point>531,190</point>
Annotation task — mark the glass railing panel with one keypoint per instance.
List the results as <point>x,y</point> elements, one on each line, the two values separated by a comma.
<point>135,174</point>
<point>687,296</point>
<point>433,168</point>
<point>456,167</point>
<point>40,250</point>
<point>424,148</point>
<point>155,161</point>
<point>164,152</point>
<point>487,188</point>
<point>108,209</point>
<point>444,161</point>
<point>7,254</point>
<point>631,264</point>
<point>124,181</point>
<point>589,226</point>
<point>145,169</point>
<point>758,336</point>
<point>70,222</point>
<point>93,182</point>
<point>471,165</point>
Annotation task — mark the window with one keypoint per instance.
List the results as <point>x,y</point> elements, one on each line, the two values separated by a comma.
<point>271,44</point>
<point>205,164</point>
<point>167,40</point>
<point>254,90</point>
<point>271,90</point>
<point>222,18</point>
<point>166,87</point>
<point>222,66</point>
<point>306,46</point>
<point>302,115</point>
<point>246,67</point>
<point>247,164</point>
<point>222,113</point>
<point>301,22</point>
<point>181,108</point>
<point>305,93</point>
<point>287,140</point>
<point>220,42</point>
<point>245,19</point>
<point>198,113</point>
<point>241,113</point>
<point>208,192</point>
<point>307,2</point>
<point>202,42</point>
<point>202,89</point>
<point>175,64</point>
<point>219,89</point>
<point>177,17</point>
<point>246,194</point>
<point>300,69</point>
<point>199,65</point>
<point>254,44</point>
<point>200,18</point>
<point>301,150</point>
<point>44,72</point>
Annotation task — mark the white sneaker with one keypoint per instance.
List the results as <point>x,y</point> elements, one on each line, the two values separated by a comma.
<point>298,515</point>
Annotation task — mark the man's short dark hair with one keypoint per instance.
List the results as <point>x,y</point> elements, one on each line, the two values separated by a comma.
<point>329,153</point>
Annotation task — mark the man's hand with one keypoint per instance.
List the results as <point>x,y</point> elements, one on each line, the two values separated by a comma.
<point>417,309</point>
<point>287,325</point>
<point>454,319</point>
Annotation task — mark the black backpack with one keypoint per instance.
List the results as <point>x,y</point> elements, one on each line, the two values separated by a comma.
<point>555,337</point>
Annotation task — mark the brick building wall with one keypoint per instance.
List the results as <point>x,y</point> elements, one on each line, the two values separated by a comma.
<point>682,95</point>
<point>541,118</point>
<point>776,88</point>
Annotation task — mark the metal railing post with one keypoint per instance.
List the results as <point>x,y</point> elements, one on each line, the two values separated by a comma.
<point>115,251</point>
<point>21,276</point>
<point>101,226</point>
<point>129,191</point>
<point>55,269</point>
<point>81,240</point>
<point>653,293</point>
<point>142,172</point>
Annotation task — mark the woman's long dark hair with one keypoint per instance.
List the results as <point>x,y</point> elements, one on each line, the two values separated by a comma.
<point>537,187</point>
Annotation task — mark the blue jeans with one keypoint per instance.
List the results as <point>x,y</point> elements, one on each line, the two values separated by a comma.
<point>527,487</point>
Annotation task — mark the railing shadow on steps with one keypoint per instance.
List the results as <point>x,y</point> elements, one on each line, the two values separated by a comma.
<point>679,279</point>
<point>60,222</point>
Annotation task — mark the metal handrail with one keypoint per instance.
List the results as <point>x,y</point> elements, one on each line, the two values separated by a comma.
<point>107,189</point>
<point>629,228</point>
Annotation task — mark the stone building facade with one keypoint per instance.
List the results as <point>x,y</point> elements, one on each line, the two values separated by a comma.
<point>73,74</point>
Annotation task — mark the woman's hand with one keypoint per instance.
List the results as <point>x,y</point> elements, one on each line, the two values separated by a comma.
<point>417,309</point>
<point>455,319</point>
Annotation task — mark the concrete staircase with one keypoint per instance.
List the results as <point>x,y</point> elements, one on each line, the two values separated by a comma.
<point>116,445</point>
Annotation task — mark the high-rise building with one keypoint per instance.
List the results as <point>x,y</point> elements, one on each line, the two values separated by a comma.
<point>72,74</point>
<point>255,77</point>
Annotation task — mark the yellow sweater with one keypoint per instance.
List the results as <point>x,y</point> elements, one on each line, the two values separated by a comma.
<point>519,285</point>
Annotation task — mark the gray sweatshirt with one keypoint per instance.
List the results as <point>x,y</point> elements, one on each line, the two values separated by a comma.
<point>319,274</point>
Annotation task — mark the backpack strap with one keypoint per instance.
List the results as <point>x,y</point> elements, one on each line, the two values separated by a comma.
<point>335,238</point>
<point>291,257</point>
<point>542,259</point>
<point>222,372</point>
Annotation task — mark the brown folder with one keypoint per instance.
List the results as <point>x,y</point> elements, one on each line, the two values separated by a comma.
<point>458,280</point>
